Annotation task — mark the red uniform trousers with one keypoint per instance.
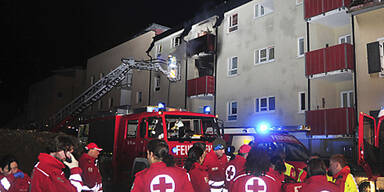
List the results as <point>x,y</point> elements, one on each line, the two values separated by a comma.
<point>90,173</point>
<point>199,178</point>
<point>159,177</point>
<point>48,176</point>
<point>234,168</point>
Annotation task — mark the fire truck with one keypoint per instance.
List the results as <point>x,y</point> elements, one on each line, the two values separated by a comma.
<point>371,151</point>
<point>272,141</point>
<point>125,136</point>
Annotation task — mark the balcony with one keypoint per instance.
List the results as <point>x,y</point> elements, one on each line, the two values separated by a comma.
<point>329,60</point>
<point>317,7</point>
<point>201,86</point>
<point>202,44</point>
<point>337,121</point>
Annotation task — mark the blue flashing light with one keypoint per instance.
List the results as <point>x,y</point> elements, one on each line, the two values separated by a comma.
<point>207,109</point>
<point>174,150</point>
<point>263,128</point>
<point>161,106</point>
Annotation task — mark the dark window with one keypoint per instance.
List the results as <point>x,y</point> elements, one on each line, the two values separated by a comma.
<point>373,53</point>
<point>302,99</point>
<point>143,128</point>
<point>271,103</point>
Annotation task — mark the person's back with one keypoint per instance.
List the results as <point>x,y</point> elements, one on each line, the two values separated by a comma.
<point>236,166</point>
<point>197,173</point>
<point>161,175</point>
<point>318,183</point>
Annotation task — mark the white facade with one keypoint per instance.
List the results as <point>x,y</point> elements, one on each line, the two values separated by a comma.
<point>260,65</point>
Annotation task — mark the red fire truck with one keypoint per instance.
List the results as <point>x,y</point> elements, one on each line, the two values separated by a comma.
<point>131,133</point>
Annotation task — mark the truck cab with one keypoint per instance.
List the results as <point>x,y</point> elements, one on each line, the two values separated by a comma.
<point>180,129</point>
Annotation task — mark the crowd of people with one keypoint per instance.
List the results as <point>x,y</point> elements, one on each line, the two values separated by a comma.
<point>252,169</point>
<point>56,171</point>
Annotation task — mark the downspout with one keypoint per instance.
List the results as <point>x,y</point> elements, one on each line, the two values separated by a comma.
<point>354,79</point>
<point>309,81</point>
<point>215,65</point>
<point>186,78</point>
<point>150,72</point>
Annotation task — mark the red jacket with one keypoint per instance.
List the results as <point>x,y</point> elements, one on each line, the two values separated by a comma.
<point>199,178</point>
<point>246,182</point>
<point>48,176</point>
<point>159,177</point>
<point>91,174</point>
<point>234,168</point>
<point>10,183</point>
<point>215,166</point>
<point>345,181</point>
<point>318,183</point>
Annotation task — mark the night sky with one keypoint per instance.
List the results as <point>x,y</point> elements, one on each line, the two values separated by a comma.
<point>40,36</point>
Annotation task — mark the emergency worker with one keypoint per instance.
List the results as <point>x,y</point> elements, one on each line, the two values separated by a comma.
<point>317,179</point>
<point>215,162</point>
<point>162,175</point>
<point>199,176</point>
<point>342,173</point>
<point>303,173</point>
<point>236,166</point>
<point>290,169</point>
<point>48,175</point>
<point>256,177</point>
<point>88,164</point>
<point>12,179</point>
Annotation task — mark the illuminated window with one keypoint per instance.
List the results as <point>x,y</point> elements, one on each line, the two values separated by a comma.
<point>233,22</point>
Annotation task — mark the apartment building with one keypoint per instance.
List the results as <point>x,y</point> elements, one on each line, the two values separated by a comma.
<point>369,37</point>
<point>261,67</point>
<point>48,96</point>
<point>119,98</point>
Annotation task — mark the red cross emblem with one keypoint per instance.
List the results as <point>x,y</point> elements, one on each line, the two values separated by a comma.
<point>162,183</point>
<point>230,172</point>
<point>255,184</point>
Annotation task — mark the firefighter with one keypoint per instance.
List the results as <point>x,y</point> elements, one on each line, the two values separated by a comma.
<point>12,178</point>
<point>199,176</point>
<point>47,174</point>
<point>342,173</point>
<point>256,177</point>
<point>162,175</point>
<point>88,164</point>
<point>317,179</point>
<point>215,162</point>
<point>236,166</point>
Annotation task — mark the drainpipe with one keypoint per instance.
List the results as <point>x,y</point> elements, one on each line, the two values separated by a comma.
<point>215,65</point>
<point>354,71</point>
<point>309,81</point>
<point>186,79</point>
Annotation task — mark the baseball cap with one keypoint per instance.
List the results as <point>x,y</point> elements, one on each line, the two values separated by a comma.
<point>244,148</point>
<point>93,146</point>
<point>218,144</point>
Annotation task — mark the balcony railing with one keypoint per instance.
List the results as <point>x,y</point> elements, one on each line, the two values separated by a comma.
<point>201,86</point>
<point>337,121</point>
<point>329,59</point>
<point>317,7</point>
<point>205,43</point>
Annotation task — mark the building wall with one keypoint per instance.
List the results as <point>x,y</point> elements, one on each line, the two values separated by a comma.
<point>107,61</point>
<point>51,94</point>
<point>370,87</point>
<point>282,78</point>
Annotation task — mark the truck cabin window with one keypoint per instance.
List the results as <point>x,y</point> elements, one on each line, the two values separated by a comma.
<point>189,127</point>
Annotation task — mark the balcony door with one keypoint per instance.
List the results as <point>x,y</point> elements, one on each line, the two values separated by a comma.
<point>347,98</point>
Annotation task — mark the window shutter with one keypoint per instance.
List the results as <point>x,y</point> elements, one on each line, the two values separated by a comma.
<point>373,54</point>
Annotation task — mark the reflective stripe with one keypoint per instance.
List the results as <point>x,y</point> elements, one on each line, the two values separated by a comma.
<point>270,177</point>
<point>46,174</point>
<point>189,177</point>
<point>239,177</point>
<point>216,183</point>
<point>216,190</point>
<point>5,183</point>
<point>76,177</point>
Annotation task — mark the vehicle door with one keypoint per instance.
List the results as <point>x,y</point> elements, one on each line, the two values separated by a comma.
<point>130,143</point>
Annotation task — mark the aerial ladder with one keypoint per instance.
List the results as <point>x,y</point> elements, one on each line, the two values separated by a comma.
<point>168,67</point>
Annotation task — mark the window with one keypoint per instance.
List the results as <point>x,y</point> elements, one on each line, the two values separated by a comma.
<point>92,80</point>
<point>155,128</point>
<point>110,102</point>
<point>233,22</point>
<point>158,49</point>
<point>139,97</point>
<point>302,99</point>
<point>259,10</point>
<point>263,8</point>
<point>233,66</point>
<point>175,42</point>
<point>345,39</point>
<point>265,104</point>
<point>232,111</point>
<point>347,99</point>
<point>157,83</point>
<point>131,128</point>
<point>300,46</point>
<point>299,2</point>
<point>265,55</point>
